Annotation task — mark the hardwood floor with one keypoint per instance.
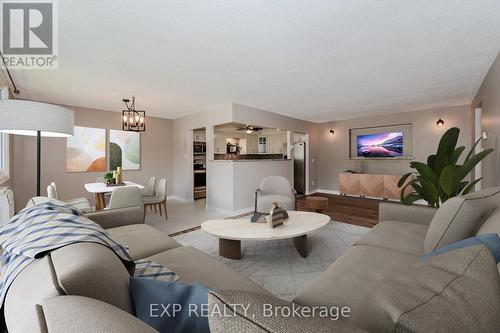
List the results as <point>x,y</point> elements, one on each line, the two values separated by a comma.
<point>352,210</point>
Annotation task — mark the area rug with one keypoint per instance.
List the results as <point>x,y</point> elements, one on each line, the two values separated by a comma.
<point>276,265</point>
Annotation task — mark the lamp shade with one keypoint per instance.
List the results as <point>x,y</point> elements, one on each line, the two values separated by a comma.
<point>27,117</point>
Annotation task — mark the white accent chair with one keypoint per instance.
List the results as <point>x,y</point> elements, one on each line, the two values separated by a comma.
<point>274,189</point>
<point>82,204</point>
<point>159,200</point>
<point>149,191</point>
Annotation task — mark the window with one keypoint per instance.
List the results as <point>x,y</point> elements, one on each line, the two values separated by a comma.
<point>4,148</point>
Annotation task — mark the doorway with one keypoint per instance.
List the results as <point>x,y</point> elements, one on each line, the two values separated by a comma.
<point>478,133</point>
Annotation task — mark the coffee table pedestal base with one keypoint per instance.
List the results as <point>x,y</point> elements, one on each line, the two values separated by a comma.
<point>300,243</point>
<point>231,249</point>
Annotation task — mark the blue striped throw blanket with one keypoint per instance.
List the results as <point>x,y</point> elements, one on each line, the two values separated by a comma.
<point>36,230</point>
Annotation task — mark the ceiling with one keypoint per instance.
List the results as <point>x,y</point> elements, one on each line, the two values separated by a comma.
<point>313,60</point>
<point>234,128</point>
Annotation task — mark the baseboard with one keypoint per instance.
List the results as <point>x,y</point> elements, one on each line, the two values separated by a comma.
<point>229,212</point>
<point>179,198</point>
<point>319,190</point>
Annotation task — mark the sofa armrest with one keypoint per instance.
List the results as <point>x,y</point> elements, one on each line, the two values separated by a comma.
<point>238,311</point>
<point>111,218</point>
<point>404,213</point>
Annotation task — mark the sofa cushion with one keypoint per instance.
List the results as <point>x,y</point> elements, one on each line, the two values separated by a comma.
<point>23,301</point>
<point>189,301</point>
<point>457,291</point>
<point>76,314</point>
<point>460,218</point>
<point>142,240</point>
<point>93,270</point>
<point>254,316</point>
<point>351,277</point>
<point>400,236</point>
<point>194,266</point>
<point>491,240</point>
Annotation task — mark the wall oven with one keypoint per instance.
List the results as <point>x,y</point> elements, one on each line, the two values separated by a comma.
<point>200,179</point>
<point>199,147</point>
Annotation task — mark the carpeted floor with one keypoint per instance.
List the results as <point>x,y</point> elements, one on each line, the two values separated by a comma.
<point>276,265</point>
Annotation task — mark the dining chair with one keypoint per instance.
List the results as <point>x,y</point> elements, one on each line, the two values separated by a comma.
<point>149,191</point>
<point>159,200</point>
<point>81,204</point>
<point>125,197</point>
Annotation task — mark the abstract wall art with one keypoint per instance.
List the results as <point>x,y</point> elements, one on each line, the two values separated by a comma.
<point>86,150</point>
<point>124,150</point>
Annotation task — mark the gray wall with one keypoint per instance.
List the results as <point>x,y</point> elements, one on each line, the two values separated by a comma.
<point>333,151</point>
<point>488,97</point>
<point>156,157</point>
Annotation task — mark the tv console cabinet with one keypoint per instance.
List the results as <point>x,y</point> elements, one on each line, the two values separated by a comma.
<point>370,185</point>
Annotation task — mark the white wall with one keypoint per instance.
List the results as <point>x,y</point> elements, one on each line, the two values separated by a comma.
<point>220,185</point>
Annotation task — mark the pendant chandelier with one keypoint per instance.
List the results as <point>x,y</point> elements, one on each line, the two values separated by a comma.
<point>132,119</point>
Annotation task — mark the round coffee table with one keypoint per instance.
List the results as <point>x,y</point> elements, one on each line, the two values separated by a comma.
<point>231,232</point>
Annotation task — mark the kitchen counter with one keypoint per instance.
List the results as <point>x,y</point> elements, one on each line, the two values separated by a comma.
<point>254,160</point>
<point>245,157</point>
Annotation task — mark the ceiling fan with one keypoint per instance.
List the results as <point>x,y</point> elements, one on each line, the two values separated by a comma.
<point>249,129</point>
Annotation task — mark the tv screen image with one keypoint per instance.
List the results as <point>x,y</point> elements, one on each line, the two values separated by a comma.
<point>380,145</point>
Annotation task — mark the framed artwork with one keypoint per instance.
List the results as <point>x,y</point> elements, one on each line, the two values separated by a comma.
<point>86,150</point>
<point>124,150</point>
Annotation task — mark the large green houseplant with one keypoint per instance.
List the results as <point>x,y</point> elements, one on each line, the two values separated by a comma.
<point>442,177</point>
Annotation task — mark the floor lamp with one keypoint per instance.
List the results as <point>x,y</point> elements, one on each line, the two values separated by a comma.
<point>38,119</point>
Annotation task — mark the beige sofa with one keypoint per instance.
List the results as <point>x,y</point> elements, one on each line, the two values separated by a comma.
<point>402,236</point>
<point>372,265</point>
<point>93,271</point>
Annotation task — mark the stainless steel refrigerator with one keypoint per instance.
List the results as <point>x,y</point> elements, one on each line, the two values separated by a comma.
<point>299,167</point>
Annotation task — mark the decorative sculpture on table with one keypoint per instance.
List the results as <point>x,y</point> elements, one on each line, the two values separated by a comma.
<point>276,216</point>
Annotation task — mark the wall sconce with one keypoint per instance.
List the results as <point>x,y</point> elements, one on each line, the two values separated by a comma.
<point>440,123</point>
<point>332,132</point>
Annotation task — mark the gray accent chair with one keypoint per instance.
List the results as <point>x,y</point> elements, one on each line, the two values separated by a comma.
<point>274,189</point>
<point>81,204</point>
<point>149,191</point>
<point>158,200</point>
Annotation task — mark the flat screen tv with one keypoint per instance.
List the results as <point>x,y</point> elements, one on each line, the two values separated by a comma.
<point>388,144</point>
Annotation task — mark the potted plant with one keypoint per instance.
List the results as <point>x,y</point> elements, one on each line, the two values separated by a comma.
<point>108,177</point>
<point>442,177</point>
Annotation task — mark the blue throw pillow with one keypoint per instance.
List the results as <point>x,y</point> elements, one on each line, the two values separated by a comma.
<point>491,240</point>
<point>170,306</point>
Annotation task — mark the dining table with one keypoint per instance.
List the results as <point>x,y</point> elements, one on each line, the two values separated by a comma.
<point>100,188</point>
